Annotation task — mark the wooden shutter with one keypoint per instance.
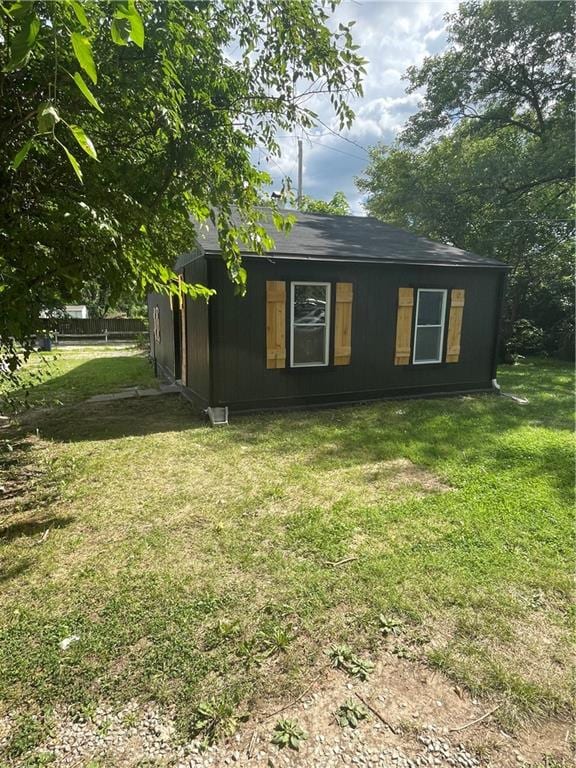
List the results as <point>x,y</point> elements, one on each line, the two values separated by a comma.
<point>275,324</point>
<point>404,326</point>
<point>457,297</point>
<point>343,324</point>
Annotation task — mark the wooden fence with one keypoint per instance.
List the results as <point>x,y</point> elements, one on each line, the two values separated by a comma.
<point>108,329</point>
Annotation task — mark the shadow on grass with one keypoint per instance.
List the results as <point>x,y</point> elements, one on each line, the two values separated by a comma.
<point>468,429</point>
<point>6,574</point>
<point>487,429</point>
<point>115,419</point>
<point>97,376</point>
<point>33,527</point>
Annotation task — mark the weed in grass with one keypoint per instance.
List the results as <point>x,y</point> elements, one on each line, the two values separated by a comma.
<point>342,657</point>
<point>37,760</point>
<point>350,714</point>
<point>275,640</point>
<point>130,720</point>
<point>228,628</point>
<point>214,720</point>
<point>403,652</point>
<point>224,631</point>
<point>104,727</point>
<point>83,712</point>
<point>278,610</point>
<point>417,637</point>
<point>27,734</point>
<point>287,733</point>
<point>389,625</point>
<point>249,652</point>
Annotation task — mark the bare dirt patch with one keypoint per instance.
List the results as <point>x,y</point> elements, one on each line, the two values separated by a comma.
<point>424,721</point>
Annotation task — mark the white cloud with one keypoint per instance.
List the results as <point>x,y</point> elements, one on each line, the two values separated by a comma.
<point>392,37</point>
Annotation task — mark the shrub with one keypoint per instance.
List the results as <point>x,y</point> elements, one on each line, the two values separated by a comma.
<point>525,339</point>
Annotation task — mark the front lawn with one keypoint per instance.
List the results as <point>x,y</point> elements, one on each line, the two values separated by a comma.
<point>197,563</point>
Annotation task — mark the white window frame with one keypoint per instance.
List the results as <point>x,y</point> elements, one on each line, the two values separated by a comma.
<point>441,325</point>
<point>326,325</point>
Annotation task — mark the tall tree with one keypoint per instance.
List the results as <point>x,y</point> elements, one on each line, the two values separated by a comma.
<point>487,162</point>
<point>122,123</point>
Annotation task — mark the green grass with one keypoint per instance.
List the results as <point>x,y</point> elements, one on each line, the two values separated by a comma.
<point>69,375</point>
<point>194,563</point>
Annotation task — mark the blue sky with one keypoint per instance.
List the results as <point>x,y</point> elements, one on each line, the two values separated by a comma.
<point>392,36</point>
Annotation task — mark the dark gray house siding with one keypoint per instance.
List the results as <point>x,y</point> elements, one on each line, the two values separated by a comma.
<point>225,341</point>
<point>162,351</point>
<point>238,335</point>
<point>197,336</point>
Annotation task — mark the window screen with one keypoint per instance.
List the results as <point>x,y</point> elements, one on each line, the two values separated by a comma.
<point>310,323</point>
<point>429,332</point>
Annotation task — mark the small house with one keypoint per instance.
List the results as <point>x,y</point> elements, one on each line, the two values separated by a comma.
<point>345,309</point>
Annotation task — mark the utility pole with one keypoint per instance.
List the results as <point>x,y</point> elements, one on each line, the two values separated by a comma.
<point>299,198</point>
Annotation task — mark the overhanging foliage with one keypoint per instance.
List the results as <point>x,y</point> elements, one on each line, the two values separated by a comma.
<point>122,123</point>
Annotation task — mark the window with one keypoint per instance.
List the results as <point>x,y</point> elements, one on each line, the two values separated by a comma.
<point>309,324</point>
<point>429,330</point>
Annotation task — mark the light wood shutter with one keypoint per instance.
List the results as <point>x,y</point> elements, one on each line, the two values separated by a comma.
<point>275,324</point>
<point>343,324</point>
<point>404,326</point>
<point>457,297</point>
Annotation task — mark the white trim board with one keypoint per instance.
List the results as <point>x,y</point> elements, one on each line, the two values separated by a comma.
<point>326,362</point>
<point>441,325</point>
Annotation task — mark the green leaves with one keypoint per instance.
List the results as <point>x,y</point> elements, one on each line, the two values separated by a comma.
<point>80,14</point>
<point>389,625</point>
<point>350,714</point>
<point>342,657</point>
<point>74,163</point>
<point>21,155</point>
<point>47,117</point>
<point>172,126</point>
<point>503,63</point>
<point>83,52</point>
<point>127,25</point>
<point>83,140</point>
<point>22,43</point>
<point>136,29</point>
<point>86,92</point>
<point>338,206</point>
<point>120,31</point>
<point>215,719</point>
<point>287,733</point>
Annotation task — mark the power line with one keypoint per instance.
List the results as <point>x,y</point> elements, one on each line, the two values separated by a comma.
<point>344,138</point>
<point>330,132</point>
<point>333,149</point>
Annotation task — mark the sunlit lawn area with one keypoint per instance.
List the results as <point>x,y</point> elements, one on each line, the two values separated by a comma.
<point>196,563</point>
<point>69,374</point>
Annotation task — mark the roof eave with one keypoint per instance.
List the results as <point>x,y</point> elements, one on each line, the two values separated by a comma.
<point>215,253</point>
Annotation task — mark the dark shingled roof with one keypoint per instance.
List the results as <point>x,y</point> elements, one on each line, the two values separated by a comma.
<point>355,238</point>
